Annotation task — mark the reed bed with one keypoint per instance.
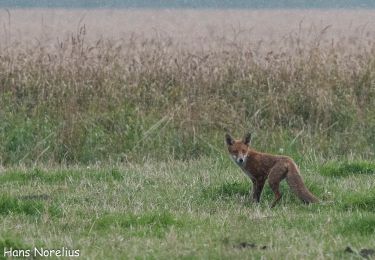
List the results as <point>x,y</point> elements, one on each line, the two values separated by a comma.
<point>90,92</point>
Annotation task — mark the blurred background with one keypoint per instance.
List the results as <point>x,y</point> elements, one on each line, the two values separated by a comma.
<point>130,81</point>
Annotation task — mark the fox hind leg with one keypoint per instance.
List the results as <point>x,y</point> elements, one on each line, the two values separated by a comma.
<point>275,176</point>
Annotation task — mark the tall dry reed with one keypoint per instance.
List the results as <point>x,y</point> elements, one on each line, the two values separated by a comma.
<point>84,101</point>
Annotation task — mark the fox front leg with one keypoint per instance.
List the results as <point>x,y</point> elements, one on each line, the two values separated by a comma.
<point>257,190</point>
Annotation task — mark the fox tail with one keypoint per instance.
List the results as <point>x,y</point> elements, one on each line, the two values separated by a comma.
<point>296,184</point>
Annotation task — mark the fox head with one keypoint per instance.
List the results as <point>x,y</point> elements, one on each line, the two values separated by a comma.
<point>238,148</point>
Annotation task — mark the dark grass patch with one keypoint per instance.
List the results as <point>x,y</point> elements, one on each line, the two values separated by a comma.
<point>147,224</point>
<point>35,175</point>
<point>10,205</point>
<point>107,175</point>
<point>30,207</point>
<point>116,175</point>
<point>247,245</point>
<point>13,176</point>
<point>364,201</point>
<point>244,245</point>
<point>344,169</point>
<point>367,252</point>
<point>363,225</point>
<point>19,176</point>
<point>34,197</point>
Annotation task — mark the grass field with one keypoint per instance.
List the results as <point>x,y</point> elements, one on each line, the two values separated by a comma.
<point>112,131</point>
<point>185,210</point>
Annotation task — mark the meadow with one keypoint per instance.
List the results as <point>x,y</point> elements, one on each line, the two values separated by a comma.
<point>112,131</point>
<point>186,210</point>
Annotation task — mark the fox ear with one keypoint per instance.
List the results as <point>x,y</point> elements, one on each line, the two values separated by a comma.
<point>247,139</point>
<point>228,139</point>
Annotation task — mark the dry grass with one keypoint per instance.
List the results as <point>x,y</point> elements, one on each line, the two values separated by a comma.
<point>87,86</point>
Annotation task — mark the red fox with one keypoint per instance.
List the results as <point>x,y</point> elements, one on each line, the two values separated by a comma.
<point>260,166</point>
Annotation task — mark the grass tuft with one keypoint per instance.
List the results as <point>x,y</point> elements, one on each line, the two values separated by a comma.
<point>30,205</point>
<point>9,205</point>
<point>359,200</point>
<point>344,169</point>
<point>364,225</point>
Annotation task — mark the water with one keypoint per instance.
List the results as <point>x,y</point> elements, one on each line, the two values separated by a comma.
<point>240,4</point>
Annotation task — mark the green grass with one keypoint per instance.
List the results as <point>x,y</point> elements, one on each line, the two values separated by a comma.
<point>344,169</point>
<point>363,200</point>
<point>9,205</point>
<point>189,210</point>
<point>363,225</point>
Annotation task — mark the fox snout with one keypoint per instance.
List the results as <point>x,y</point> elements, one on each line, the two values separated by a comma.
<point>240,159</point>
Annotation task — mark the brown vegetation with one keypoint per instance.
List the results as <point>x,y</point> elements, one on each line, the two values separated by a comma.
<point>94,85</point>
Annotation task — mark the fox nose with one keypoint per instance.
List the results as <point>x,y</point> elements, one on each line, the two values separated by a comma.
<point>240,160</point>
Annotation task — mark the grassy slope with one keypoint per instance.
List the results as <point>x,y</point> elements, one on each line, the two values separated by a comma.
<point>193,210</point>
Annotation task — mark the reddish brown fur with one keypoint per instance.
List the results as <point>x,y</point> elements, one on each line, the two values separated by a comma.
<point>262,166</point>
